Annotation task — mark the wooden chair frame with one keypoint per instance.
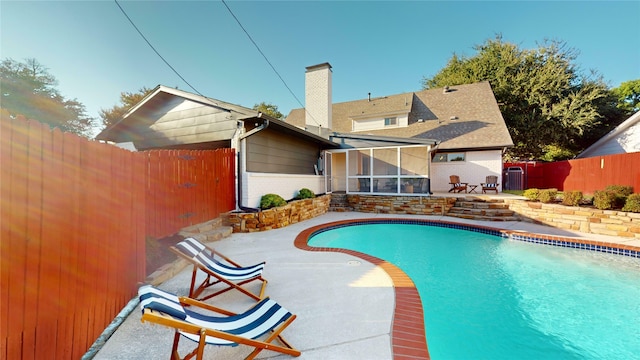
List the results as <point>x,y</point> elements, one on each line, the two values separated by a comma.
<point>456,184</point>
<point>160,318</point>
<point>214,277</point>
<point>493,180</point>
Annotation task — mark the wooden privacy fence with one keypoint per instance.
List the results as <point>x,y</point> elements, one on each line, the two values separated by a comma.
<point>72,239</point>
<point>74,217</point>
<point>187,187</point>
<point>586,175</point>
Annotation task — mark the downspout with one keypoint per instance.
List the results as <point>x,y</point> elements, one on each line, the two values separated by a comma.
<point>235,144</point>
<point>242,161</point>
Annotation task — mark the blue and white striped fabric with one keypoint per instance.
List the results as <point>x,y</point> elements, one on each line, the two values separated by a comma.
<point>198,252</point>
<point>490,185</point>
<point>255,322</point>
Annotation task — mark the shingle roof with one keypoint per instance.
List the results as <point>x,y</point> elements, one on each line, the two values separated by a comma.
<point>478,121</point>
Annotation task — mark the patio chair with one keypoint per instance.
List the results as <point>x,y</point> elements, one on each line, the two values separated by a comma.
<point>456,184</point>
<point>491,184</point>
<point>226,272</point>
<point>190,318</point>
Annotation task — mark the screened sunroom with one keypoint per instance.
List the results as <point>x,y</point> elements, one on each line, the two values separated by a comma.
<point>383,170</point>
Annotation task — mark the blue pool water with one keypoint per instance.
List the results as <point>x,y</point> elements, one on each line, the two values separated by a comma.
<point>486,297</point>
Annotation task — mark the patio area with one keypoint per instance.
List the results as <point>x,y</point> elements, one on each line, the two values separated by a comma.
<point>344,305</point>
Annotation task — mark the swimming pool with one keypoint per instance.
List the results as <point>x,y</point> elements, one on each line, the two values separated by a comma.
<point>486,297</point>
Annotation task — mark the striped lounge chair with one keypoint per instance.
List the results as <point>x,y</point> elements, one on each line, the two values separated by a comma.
<point>219,269</point>
<point>188,317</point>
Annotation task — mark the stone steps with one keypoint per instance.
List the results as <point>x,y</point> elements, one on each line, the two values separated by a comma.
<point>481,209</point>
<point>339,203</point>
<point>212,230</point>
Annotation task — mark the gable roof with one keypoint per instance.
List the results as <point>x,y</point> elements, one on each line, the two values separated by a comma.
<point>172,118</point>
<point>624,138</point>
<point>161,100</point>
<point>464,117</point>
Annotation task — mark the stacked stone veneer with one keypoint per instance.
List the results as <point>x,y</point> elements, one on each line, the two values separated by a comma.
<point>587,220</point>
<point>274,218</point>
<point>417,205</point>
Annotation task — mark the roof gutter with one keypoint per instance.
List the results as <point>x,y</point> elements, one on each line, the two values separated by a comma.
<point>264,125</point>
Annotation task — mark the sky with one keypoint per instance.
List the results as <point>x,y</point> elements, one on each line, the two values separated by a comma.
<point>247,52</point>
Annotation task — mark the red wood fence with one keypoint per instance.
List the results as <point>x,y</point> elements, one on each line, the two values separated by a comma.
<point>586,175</point>
<point>188,187</point>
<point>74,217</point>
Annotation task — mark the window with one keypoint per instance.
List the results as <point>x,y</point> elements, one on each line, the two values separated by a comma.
<point>448,157</point>
<point>390,121</point>
<point>388,170</point>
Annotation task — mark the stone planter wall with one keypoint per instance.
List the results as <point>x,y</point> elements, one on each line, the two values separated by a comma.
<point>295,211</point>
<point>587,220</point>
<point>415,205</point>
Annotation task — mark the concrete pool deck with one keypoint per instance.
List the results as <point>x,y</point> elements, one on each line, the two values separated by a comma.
<point>345,306</point>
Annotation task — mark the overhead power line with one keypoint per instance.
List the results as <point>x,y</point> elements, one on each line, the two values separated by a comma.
<point>156,51</point>
<point>268,62</point>
<point>246,33</point>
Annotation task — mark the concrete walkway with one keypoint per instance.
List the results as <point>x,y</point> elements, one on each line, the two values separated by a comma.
<point>344,305</point>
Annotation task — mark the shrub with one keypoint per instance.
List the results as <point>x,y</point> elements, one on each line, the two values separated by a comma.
<point>269,201</point>
<point>305,193</point>
<point>548,195</point>
<point>572,198</point>
<point>621,190</point>
<point>605,200</point>
<point>632,204</point>
<point>531,194</point>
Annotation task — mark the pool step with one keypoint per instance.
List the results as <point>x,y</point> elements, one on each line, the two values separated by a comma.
<point>482,209</point>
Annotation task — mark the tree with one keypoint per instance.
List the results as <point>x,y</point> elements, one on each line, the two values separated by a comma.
<point>628,94</point>
<point>28,89</point>
<point>268,109</point>
<point>548,105</point>
<point>127,101</point>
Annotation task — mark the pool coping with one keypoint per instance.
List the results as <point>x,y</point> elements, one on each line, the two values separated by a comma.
<point>408,337</point>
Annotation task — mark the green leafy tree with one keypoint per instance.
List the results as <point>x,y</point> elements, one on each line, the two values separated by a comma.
<point>269,109</point>
<point>628,96</point>
<point>546,102</point>
<point>29,89</point>
<point>127,101</point>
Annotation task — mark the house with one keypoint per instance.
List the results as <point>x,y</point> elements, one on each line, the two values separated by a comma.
<point>399,144</point>
<point>273,156</point>
<point>625,138</point>
<point>391,144</point>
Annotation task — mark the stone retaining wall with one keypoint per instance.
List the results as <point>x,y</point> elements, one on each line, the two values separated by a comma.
<point>587,220</point>
<point>274,218</point>
<point>415,205</point>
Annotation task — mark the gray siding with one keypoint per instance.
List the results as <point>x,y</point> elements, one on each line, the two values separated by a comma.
<point>180,121</point>
<point>272,152</point>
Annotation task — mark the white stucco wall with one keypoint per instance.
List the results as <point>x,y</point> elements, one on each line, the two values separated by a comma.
<point>255,185</point>
<point>474,170</point>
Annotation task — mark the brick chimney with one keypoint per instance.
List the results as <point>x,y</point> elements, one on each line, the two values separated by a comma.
<point>317,93</point>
